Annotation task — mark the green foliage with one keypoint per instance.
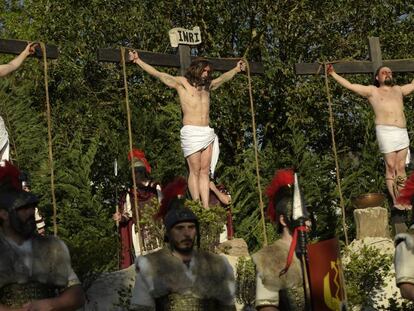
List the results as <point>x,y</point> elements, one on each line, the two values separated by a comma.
<point>364,273</point>
<point>396,304</point>
<point>245,281</point>
<point>211,222</point>
<point>88,107</point>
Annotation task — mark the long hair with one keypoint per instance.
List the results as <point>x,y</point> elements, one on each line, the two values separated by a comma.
<point>193,73</point>
<point>376,83</point>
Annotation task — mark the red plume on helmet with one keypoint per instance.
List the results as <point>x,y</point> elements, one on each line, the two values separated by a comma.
<point>9,177</point>
<point>173,190</point>
<point>283,177</point>
<point>140,156</point>
<point>407,193</point>
<point>12,196</point>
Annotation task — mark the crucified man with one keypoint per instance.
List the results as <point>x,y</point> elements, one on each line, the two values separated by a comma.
<point>5,69</point>
<point>198,140</point>
<point>386,99</point>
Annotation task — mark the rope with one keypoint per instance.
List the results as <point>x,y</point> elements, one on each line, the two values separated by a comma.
<point>130,149</point>
<point>338,179</point>
<point>49,135</point>
<point>259,187</point>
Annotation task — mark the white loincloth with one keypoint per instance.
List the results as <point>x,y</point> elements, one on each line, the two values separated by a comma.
<point>4,142</point>
<point>195,138</point>
<point>392,138</point>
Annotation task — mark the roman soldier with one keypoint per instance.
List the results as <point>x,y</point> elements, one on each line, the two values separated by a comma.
<point>146,191</point>
<point>404,246</point>
<point>35,271</point>
<point>180,276</point>
<point>279,280</point>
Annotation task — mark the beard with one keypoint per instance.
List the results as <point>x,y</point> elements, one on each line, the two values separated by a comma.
<point>25,228</point>
<point>389,82</point>
<point>176,246</point>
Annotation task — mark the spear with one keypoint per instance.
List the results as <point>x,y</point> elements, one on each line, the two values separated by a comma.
<point>300,214</point>
<point>116,190</point>
<point>117,207</point>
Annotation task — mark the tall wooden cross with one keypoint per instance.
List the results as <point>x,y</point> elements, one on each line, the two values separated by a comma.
<point>349,67</point>
<point>8,46</point>
<point>360,66</point>
<point>185,39</point>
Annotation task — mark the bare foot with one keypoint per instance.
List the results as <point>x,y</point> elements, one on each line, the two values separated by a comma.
<point>402,207</point>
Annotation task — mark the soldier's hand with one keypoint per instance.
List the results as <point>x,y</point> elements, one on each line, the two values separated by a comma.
<point>117,216</point>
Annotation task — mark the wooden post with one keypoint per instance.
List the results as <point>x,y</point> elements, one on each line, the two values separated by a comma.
<point>375,53</point>
<point>15,47</point>
<point>351,67</point>
<point>185,58</point>
<point>173,60</point>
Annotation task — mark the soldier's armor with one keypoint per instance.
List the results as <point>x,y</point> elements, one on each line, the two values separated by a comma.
<point>404,257</point>
<point>270,261</point>
<point>180,302</point>
<point>174,290</point>
<point>49,273</point>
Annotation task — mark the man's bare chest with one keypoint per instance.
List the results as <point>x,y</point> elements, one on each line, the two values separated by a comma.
<point>388,98</point>
<point>193,94</point>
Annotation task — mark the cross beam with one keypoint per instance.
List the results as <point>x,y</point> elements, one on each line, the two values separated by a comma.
<point>360,66</point>
<point>175,60</point>
<point>8,46</point>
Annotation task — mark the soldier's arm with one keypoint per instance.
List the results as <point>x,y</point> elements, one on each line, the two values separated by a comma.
<point>228,75</point>
<point>141,299</point>
<point>362,90</point>
<point>5,69</point>
<point>167,79</point>
<point>408,88</point>
<point>407,291</point>
<point>404,264</point>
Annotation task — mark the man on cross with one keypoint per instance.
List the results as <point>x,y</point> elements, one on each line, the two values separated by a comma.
<point>5,69</point>
<point>198,140</point>
<point>386,99</point>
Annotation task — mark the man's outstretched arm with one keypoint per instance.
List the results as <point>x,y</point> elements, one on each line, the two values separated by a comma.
<point>408,88</point>
<point>363,90</point>
<point>5,69</point>
<point>241,66</point>
<point>167,79</point>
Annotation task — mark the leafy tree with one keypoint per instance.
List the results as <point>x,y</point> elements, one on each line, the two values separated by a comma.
<point>88,108</point>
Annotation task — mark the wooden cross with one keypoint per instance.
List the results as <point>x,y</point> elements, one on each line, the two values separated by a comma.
<point>15,47</point>
<point>398,65</point>
<point>360,66</point>
<point>181,60</point>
